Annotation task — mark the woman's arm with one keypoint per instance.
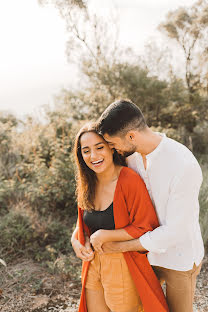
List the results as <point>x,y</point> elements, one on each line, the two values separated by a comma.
<point>83,252</point>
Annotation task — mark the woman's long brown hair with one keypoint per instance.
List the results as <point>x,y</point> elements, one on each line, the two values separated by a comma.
<point>86,179</point>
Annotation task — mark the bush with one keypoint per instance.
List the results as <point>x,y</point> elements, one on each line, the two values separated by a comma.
<point>33,236</point>
<point>16,235</point>
<point>55,240</point>
<point>42,172</point>
<point>52,189</point>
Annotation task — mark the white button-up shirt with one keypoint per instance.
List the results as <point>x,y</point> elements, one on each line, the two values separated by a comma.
<point>173,178</point>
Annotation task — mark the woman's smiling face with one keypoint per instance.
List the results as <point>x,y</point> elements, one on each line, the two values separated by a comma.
<point>96,152</point>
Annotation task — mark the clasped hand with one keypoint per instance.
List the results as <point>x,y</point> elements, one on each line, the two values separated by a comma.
<point>97,239</point>
<point>85,252</point>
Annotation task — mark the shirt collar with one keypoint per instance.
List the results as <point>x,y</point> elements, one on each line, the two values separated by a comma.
<point>154,153</point>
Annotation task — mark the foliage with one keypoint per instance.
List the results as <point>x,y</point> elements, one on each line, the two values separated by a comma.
<point>188,27</point>
<point>16,235</point>
<point>50,178</point>
<point>8,158</point>
<point>43,173</point>
<point>65,3</point>
<point>41,238</point>
<point>37,190</point>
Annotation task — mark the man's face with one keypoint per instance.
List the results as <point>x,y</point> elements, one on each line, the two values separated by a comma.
<point>121,145</point>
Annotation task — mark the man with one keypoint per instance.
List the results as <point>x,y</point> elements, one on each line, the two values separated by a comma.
<point>173,178</point>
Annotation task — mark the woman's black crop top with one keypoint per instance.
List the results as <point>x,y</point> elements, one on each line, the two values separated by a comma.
<point>96,219</point>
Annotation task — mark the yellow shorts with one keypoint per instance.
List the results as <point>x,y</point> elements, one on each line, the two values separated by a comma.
<point>110,273</point>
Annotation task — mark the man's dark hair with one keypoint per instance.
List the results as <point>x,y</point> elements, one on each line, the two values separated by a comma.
<point>120,117</point>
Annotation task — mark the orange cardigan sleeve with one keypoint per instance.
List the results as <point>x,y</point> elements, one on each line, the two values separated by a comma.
<point>82,227</point>
<point>142,214</point>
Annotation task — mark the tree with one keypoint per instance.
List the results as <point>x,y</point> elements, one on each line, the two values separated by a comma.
<point>89,35</point>
<point>189,27</point>
<point>157,60</point>
<point>65,3</point>
<point>121,80</point>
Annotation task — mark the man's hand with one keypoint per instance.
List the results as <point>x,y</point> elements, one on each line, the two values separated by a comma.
<point>85,253</point>
<point>131,245</point>
<point>113,247</point>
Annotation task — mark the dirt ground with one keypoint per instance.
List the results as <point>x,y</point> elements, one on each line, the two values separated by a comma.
<point>29,287</point>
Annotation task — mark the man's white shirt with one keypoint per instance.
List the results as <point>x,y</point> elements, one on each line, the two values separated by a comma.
<point>173,178</point>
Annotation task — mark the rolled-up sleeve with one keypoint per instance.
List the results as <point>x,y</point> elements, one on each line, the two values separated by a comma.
<point>142,215</point>
<point>182,210</point>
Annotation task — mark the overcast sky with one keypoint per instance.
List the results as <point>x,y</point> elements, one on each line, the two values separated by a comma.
<point>33,65</point>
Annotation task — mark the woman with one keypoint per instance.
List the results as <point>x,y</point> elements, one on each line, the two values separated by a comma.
<point>113,205</point>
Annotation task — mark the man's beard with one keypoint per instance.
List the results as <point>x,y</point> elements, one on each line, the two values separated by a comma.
<point>128,153</point>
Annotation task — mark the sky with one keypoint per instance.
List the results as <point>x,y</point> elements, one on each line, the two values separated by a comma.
<point>33,63</point>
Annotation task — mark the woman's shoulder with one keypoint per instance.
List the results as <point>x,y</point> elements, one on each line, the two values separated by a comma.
<point>129,176</point>
<point>131,184</point>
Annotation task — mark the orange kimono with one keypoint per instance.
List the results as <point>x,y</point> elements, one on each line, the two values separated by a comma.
<point>134,212</point>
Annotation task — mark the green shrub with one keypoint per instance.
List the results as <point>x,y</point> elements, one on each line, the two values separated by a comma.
<point>42,172</point>
<point>41,239</point>
<point>54,241</point>
<point>16,235</point>
<point>51,190</point>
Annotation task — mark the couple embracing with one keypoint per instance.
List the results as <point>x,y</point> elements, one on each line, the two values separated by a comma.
<point>138,216</point>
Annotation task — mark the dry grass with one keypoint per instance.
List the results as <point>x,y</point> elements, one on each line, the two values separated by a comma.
<point>29,287</point>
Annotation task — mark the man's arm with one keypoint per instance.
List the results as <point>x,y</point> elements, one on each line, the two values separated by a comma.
<point>131,245</point>
<point>181,212</point>
<point>100,237</point>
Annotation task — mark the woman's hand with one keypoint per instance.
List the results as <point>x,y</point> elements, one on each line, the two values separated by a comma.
<point>85,252</point>
<point>97,239</point>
